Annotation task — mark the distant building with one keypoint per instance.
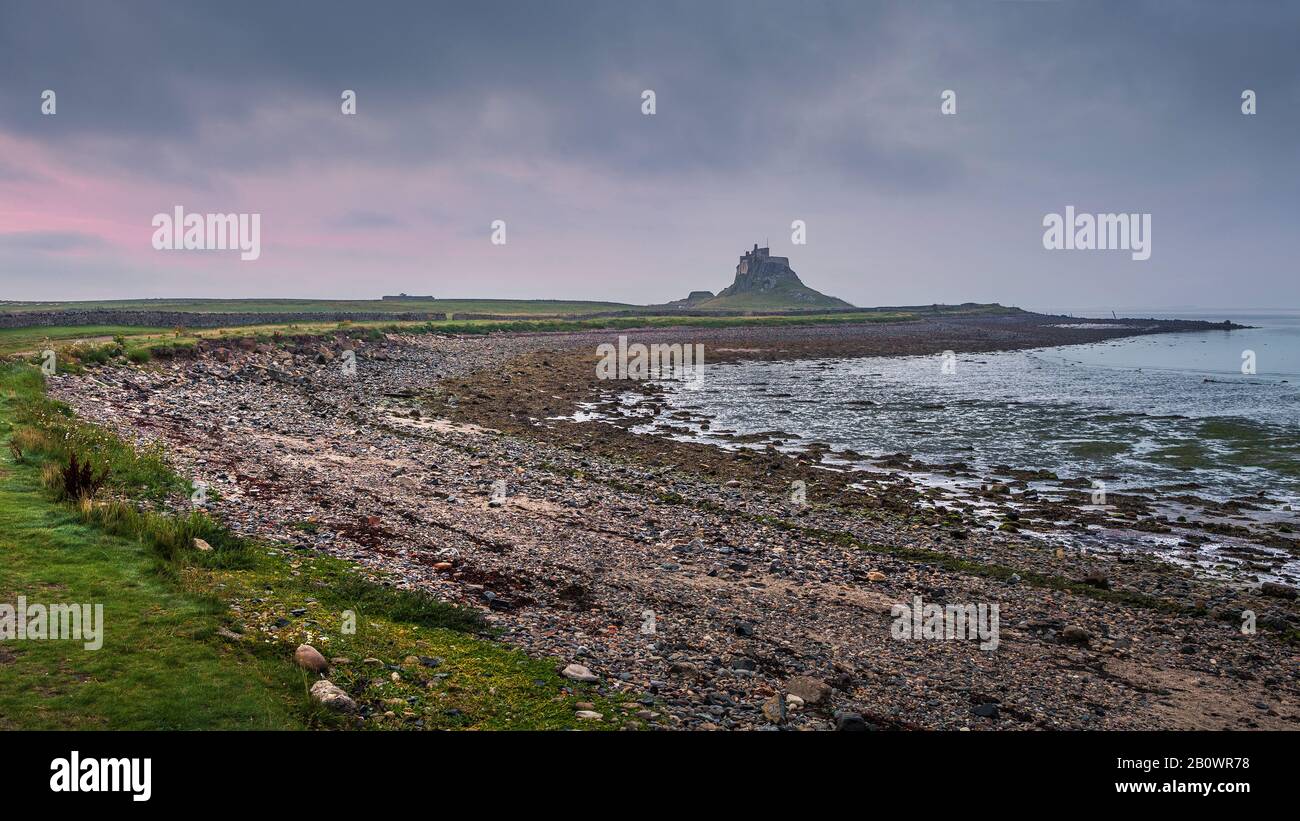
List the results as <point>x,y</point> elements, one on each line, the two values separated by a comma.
<point>752,261</point>
<point>406,296</point>
<point>759,275</point>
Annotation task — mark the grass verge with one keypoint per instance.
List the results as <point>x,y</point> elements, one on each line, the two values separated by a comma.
<point>204,639</point>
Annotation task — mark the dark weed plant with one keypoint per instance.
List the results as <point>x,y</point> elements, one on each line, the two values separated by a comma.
<point>79,480</point>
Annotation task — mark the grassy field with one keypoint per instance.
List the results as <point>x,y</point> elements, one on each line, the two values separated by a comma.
<point>197,639</point>
<point>520,307</point>
<point>19,340</point>
<point>157,669</point>
<point>527,316</point>
<point>30,341</point>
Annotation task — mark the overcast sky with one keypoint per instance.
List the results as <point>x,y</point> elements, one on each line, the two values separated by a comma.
<point>531,113</point>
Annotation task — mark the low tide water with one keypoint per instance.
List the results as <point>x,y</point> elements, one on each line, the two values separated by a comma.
<point>1167,411</point>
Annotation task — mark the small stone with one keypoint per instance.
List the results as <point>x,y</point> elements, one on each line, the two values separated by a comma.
<point>987,710</point>
<point>847,722</point>
<point>1075,634</point>
<point>793,702</point>
<point>589,715</point>
<point>773,710</point>
<point>332,697</point>
<point>199,544</point>
<point>683,668</point>
<point>876,576</point>
<point>309,658</point>
<point>577,672</point>
<point>1096,578</point>
<point>1277,591</point>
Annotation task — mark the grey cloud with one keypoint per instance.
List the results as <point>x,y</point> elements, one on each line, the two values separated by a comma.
<point>362,219</point>
<point>734,80</point>
<point>762,106</point>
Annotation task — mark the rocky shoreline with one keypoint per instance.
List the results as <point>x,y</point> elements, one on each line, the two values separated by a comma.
<point>683,573</point>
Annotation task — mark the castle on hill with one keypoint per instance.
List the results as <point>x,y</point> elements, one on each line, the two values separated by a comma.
<point>758,261</point>
<point>762,282</point>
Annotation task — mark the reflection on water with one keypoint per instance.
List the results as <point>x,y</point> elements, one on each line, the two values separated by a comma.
<point>1159,411</point>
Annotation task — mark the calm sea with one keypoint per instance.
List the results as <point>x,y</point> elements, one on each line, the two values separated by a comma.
<point>1153,411</point>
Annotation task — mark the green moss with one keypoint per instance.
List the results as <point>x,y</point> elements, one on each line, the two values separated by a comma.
<point>1098,449</point>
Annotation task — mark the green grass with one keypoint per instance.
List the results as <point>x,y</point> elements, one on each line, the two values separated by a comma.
<point>90,346</point>
<point>158,667</point>
<point>781,298</point>
<point>49,432</point>
<point>22,340</point>
<point>265,306</point>
<point>204,639</point>
<point>476,684</point>
<point>514,307</point>
<point>138,344</point>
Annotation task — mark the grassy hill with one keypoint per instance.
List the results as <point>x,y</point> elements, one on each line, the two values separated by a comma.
<point>797,296</point>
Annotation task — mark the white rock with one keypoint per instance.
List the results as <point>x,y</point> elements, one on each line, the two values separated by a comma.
<point>577,672</point>
<point>333,697</point>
